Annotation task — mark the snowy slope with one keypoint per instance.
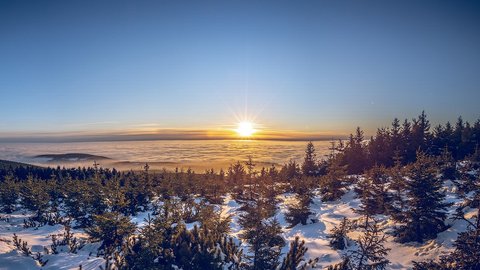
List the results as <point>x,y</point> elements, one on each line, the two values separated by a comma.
<point>327,216</point>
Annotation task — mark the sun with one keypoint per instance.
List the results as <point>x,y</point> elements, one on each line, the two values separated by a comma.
<point>245,129</point>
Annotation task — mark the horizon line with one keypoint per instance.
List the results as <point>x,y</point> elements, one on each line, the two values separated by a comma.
<point>80,140</point>
<point>164,135</point>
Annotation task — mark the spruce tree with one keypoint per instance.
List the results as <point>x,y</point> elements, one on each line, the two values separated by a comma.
<point>8,195</point>
<point>299,211</point>
<point>309,167</point>
<point>398,190</point>
<point>371,251</point>
<point>338,236</point>
<point>294,259</point>
<point>421,133</point>
<point>425,211</point>
<point>355,154</point>
<point>35,198</point>
<point>332,185</point>
<point>407,147</point>
<point>112,228</point>
<point>395,138</point>
<point>446,164</point>
<point>372,190</point>
<point>262,236</point>
<point>290,171</point>
<point>379,149</point>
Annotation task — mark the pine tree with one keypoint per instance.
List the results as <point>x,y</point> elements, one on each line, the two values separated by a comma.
<point>371,252</point>
<point>379,149</point>
<point>112,228</point>
<point>398,190</point>
<point>395,137</point>
<point>332,185</point>
<point>251,173</point>
<point>407,147</point>
<point>195,249</point>
<point>457,138</point>
<point>290,171</point>
<point>265,244</point>
<point>355,155</point>
<point>447,165</point>
<point>35,198</point>
<point>118,202</point>
<point>8,195</point>
<point>309,167</point>
<point>165,243</point>
<point>295,256</point>
<point>299,211</point>
<point>236,176</point>
<point>154,246</point>
<point>263,238</point>
<point>421,133</point>
<point>425,207</point>
<point>338,236</point>
<point>372,190</point>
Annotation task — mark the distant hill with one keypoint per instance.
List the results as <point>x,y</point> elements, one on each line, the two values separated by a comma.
<point>71,157</point>
<point>5,164</point>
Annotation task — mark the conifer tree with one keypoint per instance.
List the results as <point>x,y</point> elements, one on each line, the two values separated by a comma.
<point>372,190</point>
<point>263,238</point>
<point>8,194</point>
<point>457,137</point>
<point>236,176</point>
<point>268,190</point>
<point>266,245</point>
<point>299,211</point>
<point>112,228</point>
<point>408,147</point>
<point>34,197</point>
<point>379,148</point>
<point>290,171</point>
<point>398,191</point>
<point>117,200</point>
<point>395,137</point>
<point>446,164</point>
<point>309,167</point>
<point>425,207</point>
<point>295,256</point>
<point>355,155</point>
<point>338,236</point>
<point>421,133</point>
<point>332,185</point>
<point>371,251</point>
<point>251,173</point>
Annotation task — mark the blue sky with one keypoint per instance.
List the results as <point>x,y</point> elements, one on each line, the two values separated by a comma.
<point>306,66</point>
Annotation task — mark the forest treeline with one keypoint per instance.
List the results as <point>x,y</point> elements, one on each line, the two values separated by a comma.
<point>400,173</point>
<point>401,141</point>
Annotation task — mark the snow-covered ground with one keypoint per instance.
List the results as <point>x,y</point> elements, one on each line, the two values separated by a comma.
<point>38,240</point>
<point>326,215</point>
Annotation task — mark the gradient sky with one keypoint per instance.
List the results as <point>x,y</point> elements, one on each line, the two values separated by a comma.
<point>304,66</point>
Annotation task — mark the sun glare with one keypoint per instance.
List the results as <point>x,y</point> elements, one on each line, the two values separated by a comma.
<point>245,129</point>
